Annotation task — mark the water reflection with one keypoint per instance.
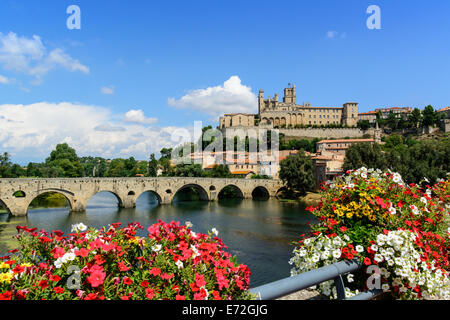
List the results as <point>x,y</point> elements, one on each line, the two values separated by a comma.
<point>259,233</point>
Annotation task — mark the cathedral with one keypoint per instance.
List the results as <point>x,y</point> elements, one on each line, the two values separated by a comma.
<point>288,114</point>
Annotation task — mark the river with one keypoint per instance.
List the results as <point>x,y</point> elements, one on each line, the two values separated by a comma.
<point>259,233</point>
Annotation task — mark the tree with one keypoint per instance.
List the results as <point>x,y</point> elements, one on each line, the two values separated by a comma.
<point>364,155</point>
<point>363,124</point>
<point>65,161</point>
<point>5,165</point>
<point>415,118</point>
<point>430,116</point>
<point>152,166</point>
<point>392,121</point>
<point>166,167</point>
<point>189,170</point>
<point>166,153</point>
<point>219,171</point>
<point>297,172</point>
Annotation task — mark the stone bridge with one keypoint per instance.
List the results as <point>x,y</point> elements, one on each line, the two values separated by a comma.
<point>78,191</point>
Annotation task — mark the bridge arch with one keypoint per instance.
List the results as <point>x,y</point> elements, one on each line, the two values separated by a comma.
<point>230,191</point>
<point>260,193</point>
<point>203,195</point>
<point>156,194</point>
<point>4,206</point>
<point>48,191</point>
<point>119,199</point>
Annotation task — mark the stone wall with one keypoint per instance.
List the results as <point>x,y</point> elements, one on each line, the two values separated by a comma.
<point>324,133</point>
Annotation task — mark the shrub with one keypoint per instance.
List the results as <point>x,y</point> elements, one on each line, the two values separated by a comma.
<point>114,263</point>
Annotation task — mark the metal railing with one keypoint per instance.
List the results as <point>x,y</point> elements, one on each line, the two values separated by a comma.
<point>286,286</point>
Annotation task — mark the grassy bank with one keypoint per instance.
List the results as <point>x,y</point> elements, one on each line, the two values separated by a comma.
<point>311,198</point>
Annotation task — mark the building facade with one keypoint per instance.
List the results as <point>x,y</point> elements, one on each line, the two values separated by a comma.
<point>273,113</point>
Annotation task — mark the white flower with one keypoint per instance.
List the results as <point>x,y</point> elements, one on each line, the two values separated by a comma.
<point>385,287</point>
<point>189,224</point>
<point>350,278</point>
<point>156,248</point>
<point>359,248</point>
<point>214,231</point>
<point>70,256</point>
<point>80,227</point>
<point>378,257</point>
<point>337,253</point>
<point>374,247</point>
<point>392,210</point>
<point>179,264</point>
<point>58,263</point>
<point>423,200</point>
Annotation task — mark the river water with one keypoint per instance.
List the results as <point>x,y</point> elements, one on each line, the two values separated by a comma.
<point>259,233</point>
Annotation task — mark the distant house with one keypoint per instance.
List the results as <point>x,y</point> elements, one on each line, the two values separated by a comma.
<point>445,111</point>
<point>370,116</point>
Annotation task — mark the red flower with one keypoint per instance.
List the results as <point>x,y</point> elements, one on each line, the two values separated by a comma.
<point>57,252</point>
<point>178,297</point>
<point>367,261</point>
<point>82,252</point>
<point>96,278</point>
<point>155,271</point>
<point>343,228</point>
<point>166,276</point>
<point>144,284</point>
<point>310,209</point>
<point>91,296</point>
<point>122,266</point>
<point>216,295</point>
<point>7,295</point>
<point>200,280</point>
<point>127,281</point>
<point>54,278</point>
<point>58,290</point>
<point>18,269</point>
<point>43,284</point>
<point>149,293</point>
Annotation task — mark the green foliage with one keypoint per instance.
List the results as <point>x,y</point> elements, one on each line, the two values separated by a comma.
<point>64,162</point>
<point>414,159</point>
<point>364,124</point>
<point>364,154</point>
<point>218,171</point>
<point>152,166</point>
<point>297,172</point>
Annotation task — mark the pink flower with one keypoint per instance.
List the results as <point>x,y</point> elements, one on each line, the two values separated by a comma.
<point>96,278</point>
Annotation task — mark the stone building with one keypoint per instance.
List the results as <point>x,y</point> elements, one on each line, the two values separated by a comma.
<point>273,113</point>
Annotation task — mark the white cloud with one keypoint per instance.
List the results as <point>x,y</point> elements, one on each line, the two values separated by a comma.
<point>230,97</point>
<point>107,90</point>
<point>3,79</point>
<point>29,56</point>
<point>32,131</point>
<point>138,116</point>
<point>331,34</point>
<point>334,34</point>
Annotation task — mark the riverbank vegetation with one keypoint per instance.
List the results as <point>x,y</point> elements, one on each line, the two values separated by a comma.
<point>413,159</point>
<point>297,173</point>
<point>397,230</point>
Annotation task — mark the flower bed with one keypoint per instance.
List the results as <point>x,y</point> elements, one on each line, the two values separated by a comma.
<point>173,262</point>
<point>397,231</point>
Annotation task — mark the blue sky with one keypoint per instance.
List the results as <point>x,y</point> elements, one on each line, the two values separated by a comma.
<point>169,63</point>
